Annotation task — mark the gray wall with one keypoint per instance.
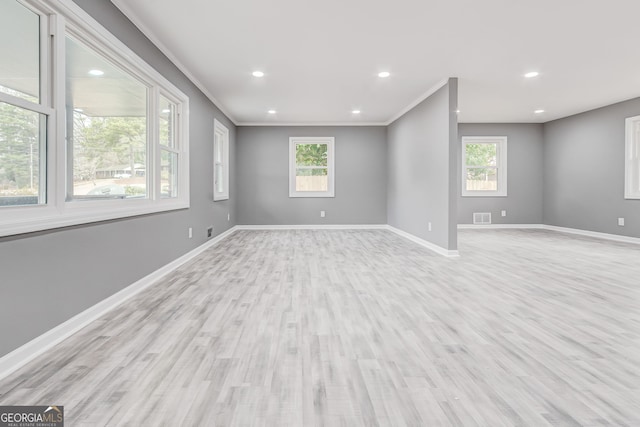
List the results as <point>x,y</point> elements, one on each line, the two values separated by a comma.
<point>263,177</point>
<point>524,175</point>
<point>584,171</point>
<point>422,147</point>
<point>48,277</point>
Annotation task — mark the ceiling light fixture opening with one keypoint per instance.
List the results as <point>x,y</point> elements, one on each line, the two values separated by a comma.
<point>96,72</point>
<point>166,110</point>
<point>272,111</point>
<point>355,112</point>
<point>532,74</point>
<point>258,74</point>
<point>538,111</point>
<point>384,74</point>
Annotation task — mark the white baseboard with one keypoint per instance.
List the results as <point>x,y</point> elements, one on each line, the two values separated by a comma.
<point>577,231</point>
<point>314,227</point>
<point>439,250</point>
<point>431,246</point>
<point>596,234</point>
<point>29,351</point>
<point>499,226</point>
<point>37,346</point>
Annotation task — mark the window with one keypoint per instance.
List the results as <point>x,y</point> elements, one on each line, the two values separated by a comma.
<point>106,127</point>
<point>311,167</point>
<point>220,161</point>
<point>484,166</point>
<point>632,158</point>
<point>24,111</point>
<point>88,130</point>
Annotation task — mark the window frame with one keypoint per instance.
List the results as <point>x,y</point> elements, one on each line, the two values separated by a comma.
<point>59,18</point>
<point>330,141</point>
<point>632,159</point>
<point>501,165</point>
<point>220,136</point>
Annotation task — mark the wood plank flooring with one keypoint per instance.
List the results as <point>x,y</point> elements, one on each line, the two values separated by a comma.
<point>362,328</point>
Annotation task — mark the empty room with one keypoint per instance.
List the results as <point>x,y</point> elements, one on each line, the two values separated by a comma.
<point>336,213</point>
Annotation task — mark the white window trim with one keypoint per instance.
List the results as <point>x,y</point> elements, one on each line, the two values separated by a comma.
<point>632,159</point>
<point>501,163</point>
<point>221,130</point>
<point>330,141</point>
<point>66,16</point>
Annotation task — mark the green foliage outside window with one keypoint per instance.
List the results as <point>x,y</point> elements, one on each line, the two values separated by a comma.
<point>312,155</point>
<point>482,156</point>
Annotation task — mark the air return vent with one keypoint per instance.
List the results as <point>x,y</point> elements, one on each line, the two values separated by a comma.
<point>482,218</point>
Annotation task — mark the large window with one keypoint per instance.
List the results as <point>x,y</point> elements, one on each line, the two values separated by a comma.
<point>88,130</point>
<point>311,167</point>
<point>484,166</point>
<point>220,161</point>
<point>24,110</point>
<point>632,158</point>
<point>106,127</point>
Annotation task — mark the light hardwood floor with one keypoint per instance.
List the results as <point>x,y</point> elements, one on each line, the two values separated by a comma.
<point>350,328</point>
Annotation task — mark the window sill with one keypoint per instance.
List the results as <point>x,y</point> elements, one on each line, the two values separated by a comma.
<point>47,218</point>
<point>311,194</point>
<point>485,195</point>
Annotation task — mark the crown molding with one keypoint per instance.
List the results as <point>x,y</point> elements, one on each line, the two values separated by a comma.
<point>133,17</point>
<point>433,89</point>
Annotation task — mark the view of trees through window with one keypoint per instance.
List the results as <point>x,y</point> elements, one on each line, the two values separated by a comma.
<point>20,146</point>
<point>311,167</point>
<point>109,156</point>
<point>481,167</point>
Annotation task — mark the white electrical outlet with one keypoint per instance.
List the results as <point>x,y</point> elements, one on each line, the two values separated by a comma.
<point>321,214</point>
<point>504,213</point>
<point>190,232</point>
<point>429,226</point>
<point>621,222</point>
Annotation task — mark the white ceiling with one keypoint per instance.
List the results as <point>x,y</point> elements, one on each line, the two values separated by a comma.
<point>321,58</point>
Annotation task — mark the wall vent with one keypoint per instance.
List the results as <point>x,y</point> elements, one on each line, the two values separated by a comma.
<point>482,218</point>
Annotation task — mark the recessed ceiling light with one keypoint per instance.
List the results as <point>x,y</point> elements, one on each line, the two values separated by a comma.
<point>78,110</point>
<point>166,110</point>
<point>356,112</point>
<point>96,72</point>
<point>258,74</point>
<point>532,74</point>
<point>539,111</point>
<point>271,111</point>
<point>457,111</point>
<point>384,74</point>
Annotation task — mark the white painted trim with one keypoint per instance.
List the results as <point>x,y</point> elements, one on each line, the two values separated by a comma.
<point>221,136</point>
<point>315,227</point>
<point>631,159</point>
<point>69,18</point>
<point>428,93</point>
<point>310,124</point>
<point>596,234</point>
<point>431,246</point>
<point>501,151</point>
<point>438,249</point>
<point>498,226</point>
<point>133,17</point>
<point>126,10</point>
<point>576,231</point>
<point>39,345</point>
<point>329,141</point>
